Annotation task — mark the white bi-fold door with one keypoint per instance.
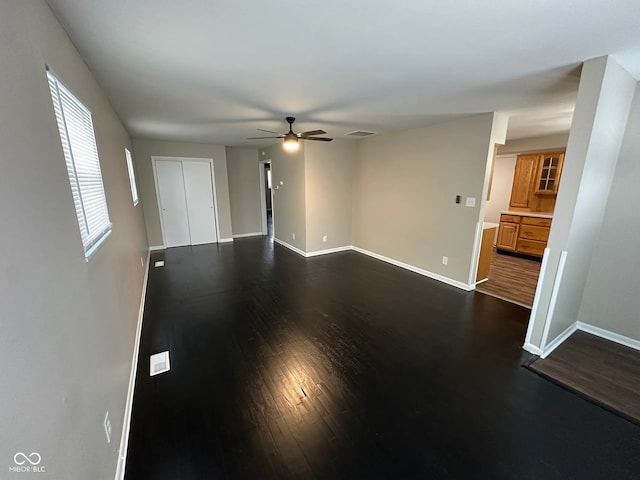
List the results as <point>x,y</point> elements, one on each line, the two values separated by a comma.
<point>186,200</point>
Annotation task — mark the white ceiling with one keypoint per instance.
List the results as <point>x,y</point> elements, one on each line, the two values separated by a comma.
<point>213,71</point>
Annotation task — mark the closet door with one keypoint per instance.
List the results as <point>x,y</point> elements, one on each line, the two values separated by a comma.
<point>199,193</point>
<point>173,203</point>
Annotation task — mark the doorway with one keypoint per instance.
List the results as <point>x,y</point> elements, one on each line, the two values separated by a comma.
<point>186,200</point>
<point>519,213</point>
<point>266,197</point>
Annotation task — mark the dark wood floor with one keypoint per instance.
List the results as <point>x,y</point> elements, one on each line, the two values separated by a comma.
<point>512,278</point>
<point>344,367</point>
<point>604,371</point>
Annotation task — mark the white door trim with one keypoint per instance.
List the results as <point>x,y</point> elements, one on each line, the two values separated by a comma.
<point>155,158</point>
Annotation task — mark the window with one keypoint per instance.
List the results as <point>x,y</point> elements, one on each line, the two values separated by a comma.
<point>132,177</point>
<point>83,165</point>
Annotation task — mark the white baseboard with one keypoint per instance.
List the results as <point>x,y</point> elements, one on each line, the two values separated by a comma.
<point>608,335</point>
<point>126,423</point>
<point>546,351</point>
<point>529,347</point>
<point>155,248</point>
<point>253,234</point>
<point>420,271</point>
<point>377,256</point>
<point>225,240</point>
<point>290,247</point>
<point>328,250</point>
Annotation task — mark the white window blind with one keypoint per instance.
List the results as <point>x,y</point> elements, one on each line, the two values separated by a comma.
<point>132,177</point>
<point>83,165</point>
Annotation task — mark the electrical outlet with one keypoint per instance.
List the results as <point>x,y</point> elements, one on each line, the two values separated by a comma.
<point>324,238</point>
<point>294,236</point>
<point>107,426</point>
<point>445,260</point>
<point>471,202</point>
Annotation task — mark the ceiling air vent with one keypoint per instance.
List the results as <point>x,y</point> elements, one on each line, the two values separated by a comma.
<point>359,133</point>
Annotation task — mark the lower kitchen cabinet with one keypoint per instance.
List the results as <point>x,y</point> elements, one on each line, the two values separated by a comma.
<point>523,234</point>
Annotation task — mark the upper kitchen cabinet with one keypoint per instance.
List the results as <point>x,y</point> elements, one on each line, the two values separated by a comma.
<point>523,177</point>
<point>535,181</point>
<point>548,173</point>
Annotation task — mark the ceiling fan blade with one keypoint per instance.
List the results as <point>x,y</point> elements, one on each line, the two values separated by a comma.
<point>311,132</point>
<point>263,130</point>
<point>320,139</point>
<point>257,138</point>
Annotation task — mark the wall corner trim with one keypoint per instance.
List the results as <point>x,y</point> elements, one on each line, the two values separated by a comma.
<point>531,348</point>
<point>126,423</point>
<point>290,247</point>
<point>559,340</point>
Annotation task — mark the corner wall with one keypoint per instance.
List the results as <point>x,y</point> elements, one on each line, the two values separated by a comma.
<point>610,300</point>
<point>288,180</point>
<point>68,325</point>
<point>404,192</point>
<point>328,179</point>
<point>244,190</point>
<point>145,149</point>
<point>602,108</point>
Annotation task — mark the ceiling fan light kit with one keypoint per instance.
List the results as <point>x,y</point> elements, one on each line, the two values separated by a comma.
<point>290,143</point>
<point>291,139</point>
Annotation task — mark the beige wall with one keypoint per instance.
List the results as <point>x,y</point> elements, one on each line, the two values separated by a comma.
<point>404,194</point>
<point>145,149</point>
<point>610,300</point>
<point>288,198</point>
<point>244,190</point>
<point>67,325</point>
<point>329,176</point>
<point>501,186</point>
<point>602,108</point>
<point>535,144</point>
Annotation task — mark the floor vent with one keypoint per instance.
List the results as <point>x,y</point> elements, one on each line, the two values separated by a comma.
<point>359,133</point>
<point>159,363</point>
<point>159,263</point>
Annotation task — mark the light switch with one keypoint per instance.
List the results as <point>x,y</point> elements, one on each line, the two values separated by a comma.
<point>471,202</point>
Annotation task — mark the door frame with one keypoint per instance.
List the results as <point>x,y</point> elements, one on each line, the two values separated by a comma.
<point>263,196</point>
<point>155,158</point>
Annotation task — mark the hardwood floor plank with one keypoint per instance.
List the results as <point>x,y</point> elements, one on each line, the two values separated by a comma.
<point>602,370</point>
<point>343,366</point>
<point>512,278</point>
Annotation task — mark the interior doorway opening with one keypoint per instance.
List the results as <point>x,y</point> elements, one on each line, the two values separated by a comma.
<point>266,198</point>
<point>519,215</point>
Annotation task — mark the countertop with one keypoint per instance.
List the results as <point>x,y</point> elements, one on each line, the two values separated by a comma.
<point>528,214</point>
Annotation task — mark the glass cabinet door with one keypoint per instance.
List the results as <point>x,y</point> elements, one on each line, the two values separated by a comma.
<point>549,170</point>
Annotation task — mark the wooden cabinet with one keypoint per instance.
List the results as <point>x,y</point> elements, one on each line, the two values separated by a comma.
<point>523,234</point>
<point>523,177</point>
<point>536,180</point>
<point>507,236</point>
<point>548,173</point>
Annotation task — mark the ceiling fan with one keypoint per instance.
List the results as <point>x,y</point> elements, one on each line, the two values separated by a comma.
<point>291,138</point>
